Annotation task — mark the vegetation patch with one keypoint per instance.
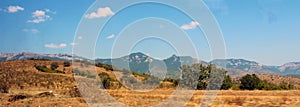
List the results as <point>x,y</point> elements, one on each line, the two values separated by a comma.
<point>13,98</point>
<point>252,82</point>
<point>105,66</point>
<point>47,70</point>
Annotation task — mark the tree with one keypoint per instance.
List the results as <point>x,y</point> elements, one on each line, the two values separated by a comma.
<point>105,66</point>
<point>265,85</point>
<point>201,85</point>
<point>108,82</point>
<point>54,65</point>
<point>3,88</point>
<point>205,77</point>
<point>103,76</point>
<point>249,82</point>
<point>227,83</point>
<point>67,64</point>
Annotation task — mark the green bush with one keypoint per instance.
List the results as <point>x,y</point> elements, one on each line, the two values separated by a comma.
<point>108,82</point>
<point>249,82</point>
<point>175,82</point>
<point>3,88</point>
<point>67,64</point>
<point>47,70</point>
<point>105,66</point>
<point>103,76</point>
<point>202,76</point>
<point>146,76</point>
<point>227,83</point>
<point>54,65</point>
<point>201,85</point>
<point>264,85</point>
<point>286,86</point>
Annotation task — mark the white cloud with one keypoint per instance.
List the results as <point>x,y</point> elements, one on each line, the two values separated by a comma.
<point>39,13</point>
<point>39,16</point>
<point>54,46</point>
<point>73,44</point>
<point>79,37</point>
<point>50,11</point>
<point>31,30</point>
<point>217,6</point>
<point>101,12</point>
<point>13,9</point>
<point>110,36</point>
<point>189,26</point>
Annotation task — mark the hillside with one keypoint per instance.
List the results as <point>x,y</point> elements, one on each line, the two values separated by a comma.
<point>23,79</point>
<point>140,62</point>
<point>28,86</point>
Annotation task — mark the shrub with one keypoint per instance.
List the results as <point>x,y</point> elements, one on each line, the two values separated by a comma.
<point>249,82</point>
<point>175,82</point>
<point>54,65</point>
<point>108,82</point>
<point>201,85</point>
<point>103,76</point>
<point>4,88</point>
<point>67,64</point>
<point>146,76</point>
<point>227,83</point>
<point>47,70</point>
<point>13,98</point>
<point>201,76</point>
<point>264,85</point>
<point>105,66</point>
<point>286,86</point>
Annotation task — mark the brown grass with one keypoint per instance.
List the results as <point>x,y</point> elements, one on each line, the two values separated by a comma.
<point>24,80</point>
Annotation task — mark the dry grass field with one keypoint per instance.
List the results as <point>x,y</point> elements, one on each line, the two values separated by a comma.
<point>228,98</point>
<point>31,88</point>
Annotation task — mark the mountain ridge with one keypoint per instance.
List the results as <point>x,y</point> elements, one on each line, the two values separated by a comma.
<point>234,66</point>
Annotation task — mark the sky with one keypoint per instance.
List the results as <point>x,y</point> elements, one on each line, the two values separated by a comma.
<point>266,31</point>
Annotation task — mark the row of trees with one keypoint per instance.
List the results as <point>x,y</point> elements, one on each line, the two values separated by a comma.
<point>252,82</point>
<point>53,68</point>
<point>198,76</point>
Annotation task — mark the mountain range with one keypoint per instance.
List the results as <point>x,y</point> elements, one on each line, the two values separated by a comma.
<point>142,63</point>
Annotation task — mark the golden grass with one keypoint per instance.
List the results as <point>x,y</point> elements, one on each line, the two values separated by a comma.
<point>225,98</point>
<point>22,73</point>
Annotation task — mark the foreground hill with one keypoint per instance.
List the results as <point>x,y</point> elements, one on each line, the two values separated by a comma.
<point>24,81</point>
<point>30,87</point>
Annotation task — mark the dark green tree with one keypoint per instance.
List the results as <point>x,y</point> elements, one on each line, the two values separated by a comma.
<point>201,85</point>
<point>105,66</point>
<point>67,64</point>
<point>54,65</point>
<point>227,83</point>
<point>249,82</point>
<point>103,76</point>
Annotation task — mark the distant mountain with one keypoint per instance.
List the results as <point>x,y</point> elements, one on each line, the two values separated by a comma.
<point>137,62</point>
<point>290,68</point>
<point>240,67</point>
<point>142,63</point>
<point>28,55</point>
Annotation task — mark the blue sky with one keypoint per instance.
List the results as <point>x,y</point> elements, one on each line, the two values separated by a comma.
<point>266,31</point>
